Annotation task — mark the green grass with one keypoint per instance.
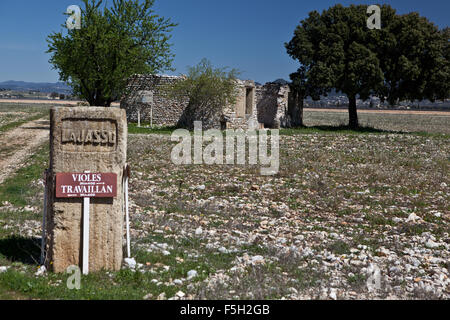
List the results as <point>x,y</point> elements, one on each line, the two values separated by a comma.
<point>339,247</point>
<point>362,130</point>
<point>323,130</point>
<point>16,189</point>
<point>124,284</point>
<point>376,219</point>
<point>15,124</point>
<point>145,129</point>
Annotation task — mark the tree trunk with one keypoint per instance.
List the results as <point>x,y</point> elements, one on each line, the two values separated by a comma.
<point>352,112</point>
<point>299,102</point>
<point>295,109</point>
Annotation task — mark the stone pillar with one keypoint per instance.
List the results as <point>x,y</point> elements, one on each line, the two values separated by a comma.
<point>86,139</point>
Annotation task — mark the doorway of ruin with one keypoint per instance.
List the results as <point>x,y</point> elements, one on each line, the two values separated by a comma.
<point>248,101</point>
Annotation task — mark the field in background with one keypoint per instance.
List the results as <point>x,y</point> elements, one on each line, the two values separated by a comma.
<point>404,121</point>
<point>342,201</point>
<point>14,115</point>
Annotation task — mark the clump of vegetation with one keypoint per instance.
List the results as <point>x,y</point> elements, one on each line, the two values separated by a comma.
<point>208,89</point>
<point>113,43</point>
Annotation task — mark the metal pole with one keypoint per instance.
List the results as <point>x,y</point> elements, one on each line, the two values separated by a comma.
<point>44,220</point>
<point>151,116</point>
<point>139,119</point>
<point>86,203</point>
<point>127,217</point>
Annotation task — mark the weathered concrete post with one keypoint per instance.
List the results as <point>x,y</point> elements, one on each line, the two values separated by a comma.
<point>86,139</point>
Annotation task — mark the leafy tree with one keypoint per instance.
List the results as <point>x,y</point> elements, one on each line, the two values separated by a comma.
<point>336,51</point>
<point>407,59</point>
<point>208,90</point>
<point>113,43</point>
<point>413,54</point>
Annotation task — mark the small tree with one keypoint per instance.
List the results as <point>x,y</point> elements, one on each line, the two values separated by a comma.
<point>208,90</point>
<point>113,43</point>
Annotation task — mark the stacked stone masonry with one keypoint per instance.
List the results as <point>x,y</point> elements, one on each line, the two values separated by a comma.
<point>256,106</point>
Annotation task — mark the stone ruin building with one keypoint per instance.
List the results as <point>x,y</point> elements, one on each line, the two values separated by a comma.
<point>256,107</point>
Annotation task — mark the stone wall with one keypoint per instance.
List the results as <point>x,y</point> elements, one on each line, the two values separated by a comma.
<point>255,106</point>
<point>273,105</point>
<point>243,114</point>
<point>144,93</point>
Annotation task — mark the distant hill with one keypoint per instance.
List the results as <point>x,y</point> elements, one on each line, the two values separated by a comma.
<point>46,87</point>
<point>281,81</point>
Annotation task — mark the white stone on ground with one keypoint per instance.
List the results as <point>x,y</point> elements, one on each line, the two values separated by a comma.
<point>130,263</point>
<point>40,271</point>
<point>192,274</point>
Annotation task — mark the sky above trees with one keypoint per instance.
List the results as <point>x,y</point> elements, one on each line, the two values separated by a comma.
<point>247,35</point>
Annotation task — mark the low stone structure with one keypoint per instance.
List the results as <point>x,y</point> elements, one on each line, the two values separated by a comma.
<point>266,106</point>
<point>145,94</point>
<point>273,105</point>
<point>85,139</point>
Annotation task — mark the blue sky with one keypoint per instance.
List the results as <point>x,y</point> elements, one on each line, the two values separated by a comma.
<point>247,35</point>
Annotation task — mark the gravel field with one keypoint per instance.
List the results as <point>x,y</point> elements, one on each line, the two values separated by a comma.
<point>350,215</point>
<point>341,207</point>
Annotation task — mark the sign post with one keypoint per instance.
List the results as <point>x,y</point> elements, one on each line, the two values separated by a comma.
<point>86,203</point>
<point>87,185</point>
<point>126,176</point>
<point>44,217</point>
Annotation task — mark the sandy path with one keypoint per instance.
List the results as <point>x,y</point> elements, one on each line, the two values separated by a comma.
<point>18,144</point>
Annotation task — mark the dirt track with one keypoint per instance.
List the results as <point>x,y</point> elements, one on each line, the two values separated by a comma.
<point>18,144</point>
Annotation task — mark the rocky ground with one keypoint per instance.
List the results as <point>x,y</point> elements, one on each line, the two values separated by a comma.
<point>342,210</point>
<point>16,145</point>
<point>348,216</point>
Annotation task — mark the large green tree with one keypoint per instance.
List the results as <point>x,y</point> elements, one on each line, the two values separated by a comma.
<point>335,48</point>
<point>413,54</point>
<point>113,43</point>
<point>406,59</point>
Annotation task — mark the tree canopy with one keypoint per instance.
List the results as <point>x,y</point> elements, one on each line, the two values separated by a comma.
<point>413,54</point>
<point>406,59</point>
<point>113,43</point>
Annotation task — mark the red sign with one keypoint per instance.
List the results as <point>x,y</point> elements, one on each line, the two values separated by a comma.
<point>82,185</point>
